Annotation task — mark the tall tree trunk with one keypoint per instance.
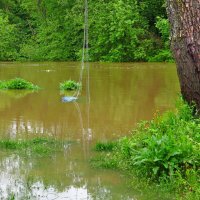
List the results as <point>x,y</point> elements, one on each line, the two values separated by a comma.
<point>184,17</point>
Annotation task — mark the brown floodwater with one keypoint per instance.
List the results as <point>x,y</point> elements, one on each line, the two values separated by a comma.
<point>121,95</point>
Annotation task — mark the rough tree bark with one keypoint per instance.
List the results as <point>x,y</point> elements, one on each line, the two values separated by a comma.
<point>184,17</point>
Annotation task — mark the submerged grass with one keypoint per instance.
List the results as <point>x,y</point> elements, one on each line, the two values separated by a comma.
<point>165,150</point>
<point>36,146</point>
<point>18,84</point>
<point>70,85</point>
<point>104,146</point>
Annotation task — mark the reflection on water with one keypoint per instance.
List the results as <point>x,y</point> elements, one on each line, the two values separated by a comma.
<point>42,179</point>
<point>120,96</point>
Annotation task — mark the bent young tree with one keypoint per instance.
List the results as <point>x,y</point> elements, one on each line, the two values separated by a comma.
<point>184,17</point>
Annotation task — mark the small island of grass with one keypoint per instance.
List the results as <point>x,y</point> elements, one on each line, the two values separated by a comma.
<point>34,147</point>
<point>70,85</point>
<point>17,84</point>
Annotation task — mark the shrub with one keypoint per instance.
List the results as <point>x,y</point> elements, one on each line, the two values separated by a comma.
<point>18,84</point>
<point>9,39</point>
<point>167,144</point>
<point>70,85</point>
<point>163,53</point>
<point>166,148</point>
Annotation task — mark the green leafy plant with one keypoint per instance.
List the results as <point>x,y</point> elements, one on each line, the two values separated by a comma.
<point>164,53</point>
<point>9,38</point>
<point>70,85</point>
<point>18,84</point>
<point>165,149</point>
<point>167,144</point>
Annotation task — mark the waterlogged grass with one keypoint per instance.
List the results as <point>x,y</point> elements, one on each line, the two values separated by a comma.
<point>165,150</point>
<point>104,146</point>
<point>36,146</point>
<point>70,85</point>
<point>18,84</point>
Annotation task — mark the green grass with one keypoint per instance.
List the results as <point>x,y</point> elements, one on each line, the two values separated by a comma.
<point>104,146</point>
<point>36,146</point>
<point>70,85</point>
<point>11,197</point>
<point>17,84</point>
<point>165,150</point>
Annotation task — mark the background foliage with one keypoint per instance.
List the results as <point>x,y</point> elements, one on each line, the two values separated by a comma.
<point>120,30</point>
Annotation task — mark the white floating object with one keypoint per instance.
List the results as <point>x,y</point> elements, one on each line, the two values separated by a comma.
<point>69,99</point>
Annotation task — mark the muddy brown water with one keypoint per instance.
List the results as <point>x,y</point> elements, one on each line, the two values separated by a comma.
<point>121,94</point>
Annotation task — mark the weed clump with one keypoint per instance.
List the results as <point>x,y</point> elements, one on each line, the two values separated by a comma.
<point>36,146</point>
<point>107,146</point>
<point>70,85</point>
<point>17,84</point>
<point>164,149</point>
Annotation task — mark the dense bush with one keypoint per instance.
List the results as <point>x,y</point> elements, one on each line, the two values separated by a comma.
<point>118,32</point>
<point>166,148</point>
<point>164,54</point>
<point>8,39</point>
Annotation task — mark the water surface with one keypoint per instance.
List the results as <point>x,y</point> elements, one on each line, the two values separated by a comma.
<point>120,96</point>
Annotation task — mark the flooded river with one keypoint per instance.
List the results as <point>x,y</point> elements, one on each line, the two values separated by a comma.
<point>120,94</point>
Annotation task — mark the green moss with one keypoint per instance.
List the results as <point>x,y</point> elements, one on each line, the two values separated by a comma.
<point>70,85</point>
<point>17,84</point>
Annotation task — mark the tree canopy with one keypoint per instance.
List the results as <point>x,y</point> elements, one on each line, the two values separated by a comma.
<point>119,30</point>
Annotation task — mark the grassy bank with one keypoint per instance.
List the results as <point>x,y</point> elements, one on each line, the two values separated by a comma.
<point>165,151</point>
